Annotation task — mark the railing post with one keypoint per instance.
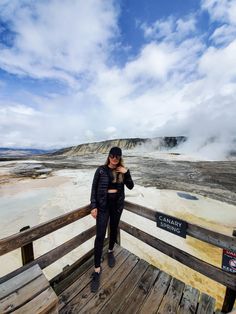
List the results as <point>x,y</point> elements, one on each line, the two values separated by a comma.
<point>27,251</point>
<point>229,300</point>
<point>230,295</point>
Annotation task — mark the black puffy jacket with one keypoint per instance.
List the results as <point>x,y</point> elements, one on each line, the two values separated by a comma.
<point>100,186</point>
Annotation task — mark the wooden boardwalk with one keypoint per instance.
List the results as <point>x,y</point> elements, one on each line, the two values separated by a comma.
<point>132,286</point>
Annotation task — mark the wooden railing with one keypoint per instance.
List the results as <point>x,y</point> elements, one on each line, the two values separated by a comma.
<point>200,233</point>
<point>21,239</point>
<point>26,237</point>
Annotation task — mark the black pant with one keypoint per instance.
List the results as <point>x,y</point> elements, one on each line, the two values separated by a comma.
<point>101,225</point>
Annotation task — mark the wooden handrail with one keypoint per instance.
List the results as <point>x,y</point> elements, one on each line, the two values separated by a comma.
<point>200,233</point>
<point>20,239</point>
<point>215,273</point>
<point>53,255</point>
<point>23,238</point>
<point>17,240</point>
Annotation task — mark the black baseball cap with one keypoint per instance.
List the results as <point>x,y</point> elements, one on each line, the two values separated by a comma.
<point>115,151</point>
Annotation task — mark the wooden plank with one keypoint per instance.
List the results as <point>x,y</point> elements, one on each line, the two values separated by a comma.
<point>124,290</point>
<point>200,233</point>
<point>55,281</point>
<point>71,277</point>
<point>170,302</point>
<point>18,281</point>
<point>81,299</point>
<point>189,301</point>
<point>157,292</point>
<point>54,310</point>
<point>215,273</point>
<point>68,294</point>
<point>23,294</point>
<point>42,304</point>
<point>20,239</point>
<point>79,268</point>
<point>206,304</point>
<point>140,292</point>
<point>53,255</point>
<point>99,299</point>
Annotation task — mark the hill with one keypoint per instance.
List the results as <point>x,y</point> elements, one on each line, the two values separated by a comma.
<point>20,152</point>
<point>158,143</point>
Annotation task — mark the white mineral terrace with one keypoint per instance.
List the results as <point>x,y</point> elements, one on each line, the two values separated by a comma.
<point>30,202</point>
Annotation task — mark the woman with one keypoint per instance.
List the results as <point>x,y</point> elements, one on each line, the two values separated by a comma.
<point>107,201</point>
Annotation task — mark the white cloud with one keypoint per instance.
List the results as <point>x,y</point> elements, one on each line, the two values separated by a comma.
<point>221,10</point>
<point>219,65</point>
<point>49,126</point>
<point>154,62</point>
<point>224,34</point>
<point>159,29</point>
<point>186,26</point>
<point>57,39</point>
<point>170,28</point>
<point>175,85</point>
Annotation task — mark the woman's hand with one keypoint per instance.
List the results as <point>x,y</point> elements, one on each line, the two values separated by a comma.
<point>121,169</point>
<point>94,212</point>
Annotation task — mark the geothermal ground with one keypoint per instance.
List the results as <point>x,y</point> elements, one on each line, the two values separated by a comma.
<point>214,179</point>
<point>202,192</point>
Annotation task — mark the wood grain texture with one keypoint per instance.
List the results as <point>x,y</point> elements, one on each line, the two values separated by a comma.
<point>24,294</point>
<point>125,289</point>
<point>68,294</point>
<point>170,302</point>
<point>132,286</point>
<point>71,273</point>
<point>80,300</point>
<point>217,274</point>
<point>200,233</point>
<point>140,291</point>
<point>20,239</point>
<point>157,292</point>
<point>18,281</point>
<point>29,292</point>
<point>189,301</point>
<point>206,304</point>
<point>110,287</point>
<point>42,304</point>
<point>53,255</point>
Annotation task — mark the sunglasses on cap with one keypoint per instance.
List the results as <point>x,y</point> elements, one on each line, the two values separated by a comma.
<point>114,156</point>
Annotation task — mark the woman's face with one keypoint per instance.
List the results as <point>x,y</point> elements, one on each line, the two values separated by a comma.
<point>114,160</point>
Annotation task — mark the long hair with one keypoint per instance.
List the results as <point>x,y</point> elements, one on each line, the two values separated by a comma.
<point>117,177</point>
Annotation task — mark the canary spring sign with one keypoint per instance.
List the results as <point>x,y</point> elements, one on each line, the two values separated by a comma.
<point>171,224</point>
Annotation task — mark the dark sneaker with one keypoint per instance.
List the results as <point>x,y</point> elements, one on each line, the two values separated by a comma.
<point>111,259</point>
<point>95,281</point>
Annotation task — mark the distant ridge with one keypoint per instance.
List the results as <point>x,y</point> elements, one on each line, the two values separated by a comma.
<point>21,152</point>
<point>103,147</point>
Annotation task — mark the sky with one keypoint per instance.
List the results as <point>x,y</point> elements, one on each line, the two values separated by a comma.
<point>73,72</point>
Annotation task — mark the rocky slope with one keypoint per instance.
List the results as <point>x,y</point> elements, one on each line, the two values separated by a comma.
<point>103,147</point>
<point>214,179</point>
